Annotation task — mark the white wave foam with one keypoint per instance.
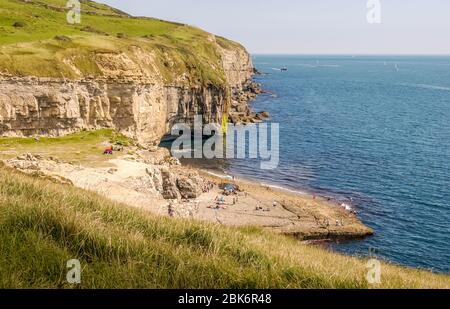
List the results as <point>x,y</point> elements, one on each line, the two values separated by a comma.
<point>181,152</point>
<point>222,176</point>
<point>434,87</point>
<point>346,206</point>
<point>426,86</point>
<point>283,188</point>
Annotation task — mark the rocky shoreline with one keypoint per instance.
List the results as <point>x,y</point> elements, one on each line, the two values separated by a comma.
<point>241,112</point>
<point>151,179</point>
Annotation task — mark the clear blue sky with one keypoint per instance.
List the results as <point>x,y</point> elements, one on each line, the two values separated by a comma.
<point>311,26</point>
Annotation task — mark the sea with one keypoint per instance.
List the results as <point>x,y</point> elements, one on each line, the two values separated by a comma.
<point>371,132</point>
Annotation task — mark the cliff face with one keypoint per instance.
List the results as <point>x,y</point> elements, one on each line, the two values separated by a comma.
<point>130,96</point>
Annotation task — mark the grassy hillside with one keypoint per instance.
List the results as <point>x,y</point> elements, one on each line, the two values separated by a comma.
<point>85,147</point>
<point>35,39</point>
<point>43,225</point>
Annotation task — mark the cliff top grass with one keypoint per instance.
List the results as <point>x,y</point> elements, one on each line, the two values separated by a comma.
<point>37,40</point>
<point>85,147</point>
<point>44,224</point>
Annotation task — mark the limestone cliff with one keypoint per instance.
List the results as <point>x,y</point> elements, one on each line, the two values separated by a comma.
<point>136,75</point>
<point>128,97</point>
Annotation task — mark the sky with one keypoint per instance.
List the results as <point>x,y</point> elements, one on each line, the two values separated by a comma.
<point>311,26</point>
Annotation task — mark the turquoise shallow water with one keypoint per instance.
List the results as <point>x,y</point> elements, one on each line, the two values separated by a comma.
<point>373,132</point>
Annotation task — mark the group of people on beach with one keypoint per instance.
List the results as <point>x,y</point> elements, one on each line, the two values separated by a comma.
<point>207,186</point>
<point>110,149</point>
<point>229,190</point>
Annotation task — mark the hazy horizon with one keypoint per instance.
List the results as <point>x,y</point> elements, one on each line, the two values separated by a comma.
<point>321,27</point>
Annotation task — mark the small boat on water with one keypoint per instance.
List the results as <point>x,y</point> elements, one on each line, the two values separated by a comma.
<point>284,69</point>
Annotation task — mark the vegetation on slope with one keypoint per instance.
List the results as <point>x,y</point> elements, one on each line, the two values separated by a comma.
<point>43,225</point>
<point>85,147</point>
<point>37,40</point>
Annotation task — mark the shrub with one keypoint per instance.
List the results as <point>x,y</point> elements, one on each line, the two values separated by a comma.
<point>63,38</point>
<point>19,24</point>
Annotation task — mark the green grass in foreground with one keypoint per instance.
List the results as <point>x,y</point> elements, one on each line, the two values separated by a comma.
<point>84,147</point>
<point>43,225</point>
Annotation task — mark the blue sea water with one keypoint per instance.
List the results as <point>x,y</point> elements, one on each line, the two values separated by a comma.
<point>373,132</point>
